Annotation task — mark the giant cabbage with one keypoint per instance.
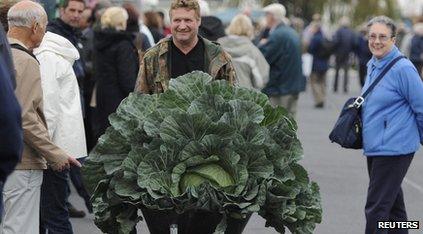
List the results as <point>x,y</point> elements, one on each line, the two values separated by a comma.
<point>205,145</point>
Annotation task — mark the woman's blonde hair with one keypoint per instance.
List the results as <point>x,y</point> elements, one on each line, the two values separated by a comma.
<point>114,17</point>
<point>241,25</point>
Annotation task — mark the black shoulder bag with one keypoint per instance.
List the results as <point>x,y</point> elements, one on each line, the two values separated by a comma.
<point>347,131</point>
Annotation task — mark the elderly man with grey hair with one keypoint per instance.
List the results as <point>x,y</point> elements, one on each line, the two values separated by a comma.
<point>282,51</point>
<point>21,195</point>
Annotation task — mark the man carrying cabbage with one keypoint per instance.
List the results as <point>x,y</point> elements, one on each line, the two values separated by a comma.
<point>182,53</point>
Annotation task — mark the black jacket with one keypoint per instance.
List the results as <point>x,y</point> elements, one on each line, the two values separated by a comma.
<point>65,30</point>
<point>116,65</point>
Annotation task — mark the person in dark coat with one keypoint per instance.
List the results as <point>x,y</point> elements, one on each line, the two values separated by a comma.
<point>416,49</point>
<point>319,67</point>
<point>345,40</point>
<point>282,51</point>
<point>116,63</point>
<point>10,116</point>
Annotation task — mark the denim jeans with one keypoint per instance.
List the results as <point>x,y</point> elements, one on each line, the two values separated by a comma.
<point>54,215</point>
<point>76,178</point>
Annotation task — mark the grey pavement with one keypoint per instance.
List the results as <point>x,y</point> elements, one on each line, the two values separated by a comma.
<point>340,173</point>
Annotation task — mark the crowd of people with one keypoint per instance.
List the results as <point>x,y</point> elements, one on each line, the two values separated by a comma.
<point>60,80</point>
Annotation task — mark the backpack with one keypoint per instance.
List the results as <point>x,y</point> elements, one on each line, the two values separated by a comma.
<point>326,49</point>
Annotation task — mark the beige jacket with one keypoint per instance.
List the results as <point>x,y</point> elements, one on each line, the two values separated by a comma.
<point>38,148</point>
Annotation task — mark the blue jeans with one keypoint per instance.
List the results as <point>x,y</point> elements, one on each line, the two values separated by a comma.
<point>76,178</point>
<point>54,214</point>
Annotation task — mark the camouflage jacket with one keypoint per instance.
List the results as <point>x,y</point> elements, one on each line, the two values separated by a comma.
<point>153,76</point>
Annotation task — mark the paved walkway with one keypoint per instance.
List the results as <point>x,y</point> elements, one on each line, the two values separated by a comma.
<point>341,174</point>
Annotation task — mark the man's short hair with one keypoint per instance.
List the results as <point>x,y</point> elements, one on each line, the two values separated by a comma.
<point>25,17</point>
<point>188,4</point>
<point>65,3</point>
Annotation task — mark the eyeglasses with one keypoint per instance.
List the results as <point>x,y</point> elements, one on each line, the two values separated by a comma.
<point>382,38</point>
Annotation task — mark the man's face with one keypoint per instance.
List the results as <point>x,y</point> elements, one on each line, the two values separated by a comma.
<point>184,25</point>
<point>270,19</point>
<point>71,15</point>
<point>380,40</point>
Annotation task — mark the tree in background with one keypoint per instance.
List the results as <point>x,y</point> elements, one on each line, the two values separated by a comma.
<point>366,9</point>
<point>358,10</point>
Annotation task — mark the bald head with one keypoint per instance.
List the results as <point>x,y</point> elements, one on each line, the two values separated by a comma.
<point>27,23</point>
<point>26,14</point>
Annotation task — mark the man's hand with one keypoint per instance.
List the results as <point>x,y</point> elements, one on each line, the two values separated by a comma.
<point>66,164</point>
<point>74,161</point>
<point>263,41</point>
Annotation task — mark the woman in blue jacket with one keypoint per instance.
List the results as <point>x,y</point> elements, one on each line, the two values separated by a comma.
<point>392,117</point>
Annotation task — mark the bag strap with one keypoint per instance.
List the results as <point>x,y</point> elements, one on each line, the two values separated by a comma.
<point>359,100</point>
<point>19,47</point>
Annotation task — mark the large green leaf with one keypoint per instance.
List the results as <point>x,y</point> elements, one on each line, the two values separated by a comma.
<point>155,170</point>
<point>254,134</point>
<point>274,115</point>
<point>130,115</point>
<point>209,145</point>
<point>92,174</point>
<point>185,127</point>
<point>251,95</point>
<point>242,113</point>
<point>221,88</point>
<point>254,159</point>
<point>112,142</point>
<point>214,173</point>
<point>183,90</point>
<point>126,219</point>
<point>214,106</point>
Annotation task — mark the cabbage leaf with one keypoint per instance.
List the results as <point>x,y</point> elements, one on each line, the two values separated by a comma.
<point>201,145</point>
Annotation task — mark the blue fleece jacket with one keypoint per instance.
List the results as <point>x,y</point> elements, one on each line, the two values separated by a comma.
<point>393,112</point>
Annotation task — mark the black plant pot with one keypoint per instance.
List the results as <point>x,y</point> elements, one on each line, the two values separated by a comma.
<point>192,222</point>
